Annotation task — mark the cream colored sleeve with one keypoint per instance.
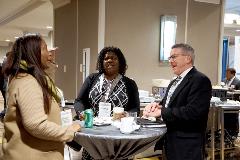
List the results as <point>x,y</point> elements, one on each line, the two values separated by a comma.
<point>29,98</point>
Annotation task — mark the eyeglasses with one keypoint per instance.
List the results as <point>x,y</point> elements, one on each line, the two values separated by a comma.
<point>173,57</point>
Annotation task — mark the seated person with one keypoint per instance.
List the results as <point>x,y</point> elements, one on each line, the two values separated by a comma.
<point>231,79</point>
<point>109,85</point>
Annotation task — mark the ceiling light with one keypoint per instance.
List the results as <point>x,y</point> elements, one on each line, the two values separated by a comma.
<point>49,27</point>
<point>7,40</point>
<point>238,30</point>
<point>16,37</point>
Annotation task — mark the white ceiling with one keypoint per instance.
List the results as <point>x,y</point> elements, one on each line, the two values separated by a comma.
<point>20,16</point>
<point>232,6</point>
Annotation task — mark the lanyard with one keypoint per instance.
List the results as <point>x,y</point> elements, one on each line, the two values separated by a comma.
<point>110,86</point>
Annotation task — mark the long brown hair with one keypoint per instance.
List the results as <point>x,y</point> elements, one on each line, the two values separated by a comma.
<point>28,48</point>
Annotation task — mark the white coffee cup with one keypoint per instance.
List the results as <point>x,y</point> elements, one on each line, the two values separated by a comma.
<point>127,125</point>
<point>118,110</point>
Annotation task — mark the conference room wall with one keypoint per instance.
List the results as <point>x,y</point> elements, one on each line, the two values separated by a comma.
<point>76,26</point>
<point>134,26</point>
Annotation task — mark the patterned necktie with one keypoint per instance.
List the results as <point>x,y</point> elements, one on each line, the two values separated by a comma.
<point>176,80</point>
<point>172,89</point>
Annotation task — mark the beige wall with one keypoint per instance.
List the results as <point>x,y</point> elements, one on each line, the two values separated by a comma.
<point>76,26</point>
<point>203,35</point>
<point>65,38</point>
<point>88,33</point>
<point>133,26</point>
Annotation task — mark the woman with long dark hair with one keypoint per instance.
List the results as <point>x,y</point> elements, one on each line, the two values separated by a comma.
<point>32,122</point>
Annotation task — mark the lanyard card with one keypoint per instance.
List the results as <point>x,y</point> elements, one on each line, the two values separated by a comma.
<point>66,117</point>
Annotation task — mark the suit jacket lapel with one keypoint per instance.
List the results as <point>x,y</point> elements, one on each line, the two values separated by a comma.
<point>233,82</point>
<point>181,85</point>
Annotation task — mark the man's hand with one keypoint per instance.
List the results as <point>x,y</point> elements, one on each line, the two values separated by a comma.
<point>152,110</point>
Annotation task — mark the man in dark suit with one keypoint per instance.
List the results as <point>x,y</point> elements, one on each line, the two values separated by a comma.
<point>231,80</point>
<point>184,108</point>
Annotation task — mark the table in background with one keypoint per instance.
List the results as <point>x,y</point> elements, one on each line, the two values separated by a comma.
<point>217,114</point>
<point>233,95</point>
<point>225,108</point>
<point>107,142</point>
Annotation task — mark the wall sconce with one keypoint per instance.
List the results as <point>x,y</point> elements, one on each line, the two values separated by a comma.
<point>168,27</point>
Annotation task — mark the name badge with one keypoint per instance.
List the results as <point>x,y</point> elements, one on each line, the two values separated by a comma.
<point>104,109</point>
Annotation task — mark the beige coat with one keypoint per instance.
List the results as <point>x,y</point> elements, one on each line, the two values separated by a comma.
<point>30,134</point>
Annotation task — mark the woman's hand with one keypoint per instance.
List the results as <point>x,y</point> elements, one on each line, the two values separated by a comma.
<point>75,127</point>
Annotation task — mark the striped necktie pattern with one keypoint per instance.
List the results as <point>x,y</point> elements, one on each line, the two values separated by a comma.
<point>172,89</point>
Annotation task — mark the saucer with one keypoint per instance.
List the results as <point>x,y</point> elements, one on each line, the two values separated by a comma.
<point>126,132</point>
<point>102,121</point>
<point>134,128</point>
<point>116,123</point>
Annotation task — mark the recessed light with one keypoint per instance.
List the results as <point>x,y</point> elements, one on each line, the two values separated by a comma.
<point>16,37</point>
<point>49,27</point>
<point>7,40</point>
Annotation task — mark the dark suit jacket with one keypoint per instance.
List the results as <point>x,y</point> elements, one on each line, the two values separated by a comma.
<point>187,112</point>
<point>236,82</point>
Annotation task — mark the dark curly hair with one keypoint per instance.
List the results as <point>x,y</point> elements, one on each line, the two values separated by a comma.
<point>118,53</point>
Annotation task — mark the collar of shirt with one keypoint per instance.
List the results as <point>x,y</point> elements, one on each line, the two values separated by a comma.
<point>183,74</point>
<point>230,82</point>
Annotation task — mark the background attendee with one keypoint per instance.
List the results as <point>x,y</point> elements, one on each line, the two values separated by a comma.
<point>32,122</point>
<point>109,85</point>
<point>3,85</point>
<point>231,80</point>
<point>185,107</point>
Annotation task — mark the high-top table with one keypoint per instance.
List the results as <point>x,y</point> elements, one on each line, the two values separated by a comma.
<point>107,142</point>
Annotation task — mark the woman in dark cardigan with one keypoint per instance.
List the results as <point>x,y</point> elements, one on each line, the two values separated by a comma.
<point>109,85</point>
